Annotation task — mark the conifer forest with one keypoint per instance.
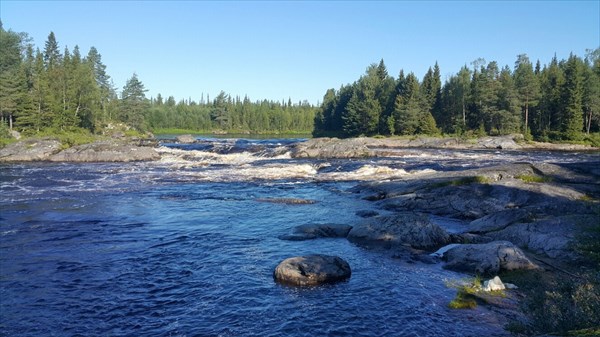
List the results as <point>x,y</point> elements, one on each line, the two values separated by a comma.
<point>56,88</point>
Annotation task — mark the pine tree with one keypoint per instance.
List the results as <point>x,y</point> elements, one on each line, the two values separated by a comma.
<point>12,83</point>
<point>591,92</point>
<point>527,86</point>
<point>134,103</point>
<point>549,115</point>
<point>572,99</point>
<point>408,108</point>
<point>362,113</point>
<point>51,52</point>
<point>507,118</point>
<point>220,112</point>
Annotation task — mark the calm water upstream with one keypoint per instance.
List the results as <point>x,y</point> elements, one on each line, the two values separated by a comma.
<point>185,247</point>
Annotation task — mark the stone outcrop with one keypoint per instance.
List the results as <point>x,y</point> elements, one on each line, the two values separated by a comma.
<point>373,147</point>
<point>333,148</point>
<point>106,151</point>
<point>313,231</point>
<point>312,270</point>
<point>185,139</point>
<point>403,229</point>
<point>539,207</point>
<point>33,149</point>
<point>487,259</point>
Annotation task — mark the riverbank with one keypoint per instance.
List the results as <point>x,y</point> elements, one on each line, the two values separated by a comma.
<point>505,212</point>
<point>122,148</point>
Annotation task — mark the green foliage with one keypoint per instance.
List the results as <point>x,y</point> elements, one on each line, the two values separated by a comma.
<point>588,240</point>
<point>462,301</point>
<point>534,178</point>
<point>557,102</point>
<point>68,137</point>
<point>559,303</point>
<point>466,290</point>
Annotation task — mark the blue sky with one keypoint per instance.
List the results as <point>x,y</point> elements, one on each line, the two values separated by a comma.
<point>299,49</point>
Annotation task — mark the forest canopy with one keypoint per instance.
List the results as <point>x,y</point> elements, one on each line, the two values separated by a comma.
<point>58,90</point>
<point>556,101</point>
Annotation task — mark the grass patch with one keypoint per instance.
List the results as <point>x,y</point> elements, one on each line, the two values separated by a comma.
<point>534,179</point>
<point>465,298</point>
<point>463,301</point>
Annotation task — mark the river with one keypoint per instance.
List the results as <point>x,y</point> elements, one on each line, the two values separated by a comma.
<point>186,246</point>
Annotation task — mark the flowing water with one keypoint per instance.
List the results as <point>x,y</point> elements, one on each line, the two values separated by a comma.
<point>186,246</point>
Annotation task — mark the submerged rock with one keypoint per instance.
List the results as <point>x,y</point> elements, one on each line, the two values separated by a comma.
<point>413,229</point>
<point>287,201</point>
<point>487,259</point>
<point>312,270</point>
<point>30,150</point>
<point>366,213</point>
<point>313,231</point>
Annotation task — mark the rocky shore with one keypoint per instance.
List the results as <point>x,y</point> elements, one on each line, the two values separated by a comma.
<point>510,215</point>
<point>125,150</point>
<point>48,149</point>
<point>381,147</point>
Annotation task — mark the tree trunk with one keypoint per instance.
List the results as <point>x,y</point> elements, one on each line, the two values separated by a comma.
<point>526,116</point>
<point>589,122</point>
<point>464,113</point>
<point>10,121</point>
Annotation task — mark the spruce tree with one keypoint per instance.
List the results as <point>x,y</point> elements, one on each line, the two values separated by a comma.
<point>527,86</point>
<point>591,92</point>
<point>572,99</point>
<point>134,103</point>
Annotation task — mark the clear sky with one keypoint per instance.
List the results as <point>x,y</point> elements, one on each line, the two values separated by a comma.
<point>299,49</point>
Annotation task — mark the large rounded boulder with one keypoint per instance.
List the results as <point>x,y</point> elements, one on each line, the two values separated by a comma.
<point>312,270</point>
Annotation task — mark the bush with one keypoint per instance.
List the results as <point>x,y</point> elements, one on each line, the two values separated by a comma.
<point>68,137</point>
<point>559,303</point>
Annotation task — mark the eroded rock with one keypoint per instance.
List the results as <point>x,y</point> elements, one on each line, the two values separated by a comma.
<point>487,259</point>
<point>30,150</point>
<point>413,229</point>
<point>313,231</point>
<point>312,270</point>
<point>106,151</point>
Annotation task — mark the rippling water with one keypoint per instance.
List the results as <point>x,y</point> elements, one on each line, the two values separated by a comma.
<point>184,247</point>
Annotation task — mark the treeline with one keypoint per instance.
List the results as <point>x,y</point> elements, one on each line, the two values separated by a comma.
<point>51,90</point>
<point>231,114</point>
<point>558,101</point>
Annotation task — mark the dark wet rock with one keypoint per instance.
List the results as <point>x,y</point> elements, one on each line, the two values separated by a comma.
<point>487,259</point>
<point>33,149</point>
<point>412,229</point>
<point>500,220</point>
<point>106,151</point>
<point>333,148</point>
<point>312,270</point>
<point>367,213</point>
<point>185,139</point>
<point>287,201</point>
<point>469,238</point>
<point>313,231</point>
